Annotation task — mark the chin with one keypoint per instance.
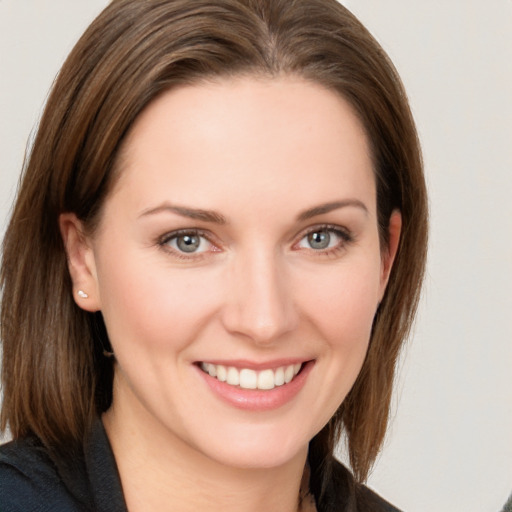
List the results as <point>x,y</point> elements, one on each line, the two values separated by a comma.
<point>260,459</point>
<point>252,450</point>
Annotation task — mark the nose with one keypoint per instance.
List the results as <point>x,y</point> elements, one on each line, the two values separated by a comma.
<point>259,303</point>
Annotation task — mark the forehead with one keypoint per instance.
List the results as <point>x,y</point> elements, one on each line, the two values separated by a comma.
<point>247,135</point>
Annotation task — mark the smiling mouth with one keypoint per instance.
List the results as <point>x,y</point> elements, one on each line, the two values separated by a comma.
<point>247,378</point>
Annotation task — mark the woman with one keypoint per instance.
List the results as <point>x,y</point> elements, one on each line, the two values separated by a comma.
<point>214,258</point>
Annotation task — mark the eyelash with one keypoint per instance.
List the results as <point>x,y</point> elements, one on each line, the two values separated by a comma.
<point>344,235</point>
<point>164,241</point>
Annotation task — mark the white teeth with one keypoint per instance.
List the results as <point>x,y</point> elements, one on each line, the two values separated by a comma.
<point>279,377</point>
<point>266,379</point>
<point>222,373</point>
<point>233,376</point>
<point>209,368</point>
<point>288,373</point>
<point>251,379</point>
<point>248,379</point>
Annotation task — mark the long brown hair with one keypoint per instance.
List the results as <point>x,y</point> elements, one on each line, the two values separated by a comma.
<point>55,380</point>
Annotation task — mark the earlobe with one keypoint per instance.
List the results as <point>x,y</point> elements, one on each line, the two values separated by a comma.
<point>81,262</point>
<point>388,256</point>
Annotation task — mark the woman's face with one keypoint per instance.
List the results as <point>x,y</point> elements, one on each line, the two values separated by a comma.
<point>239,250</point>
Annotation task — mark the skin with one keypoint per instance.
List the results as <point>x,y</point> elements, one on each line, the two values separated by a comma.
<point>259,153</point>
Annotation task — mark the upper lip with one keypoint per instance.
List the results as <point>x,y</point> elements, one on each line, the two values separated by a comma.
<point>253,365</point>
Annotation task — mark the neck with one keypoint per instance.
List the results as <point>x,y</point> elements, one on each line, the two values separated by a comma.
<point>160,472</point>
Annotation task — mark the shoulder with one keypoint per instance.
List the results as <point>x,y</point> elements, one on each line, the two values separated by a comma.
<point>355,497</point>
<point>29,480</point>
<point>369,500</point>
<point>74,479</point>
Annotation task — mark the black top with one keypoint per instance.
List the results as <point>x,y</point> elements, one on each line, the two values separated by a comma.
<point>32,480</point>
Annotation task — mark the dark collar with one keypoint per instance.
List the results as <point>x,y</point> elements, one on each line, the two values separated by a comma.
<point>92,476</point>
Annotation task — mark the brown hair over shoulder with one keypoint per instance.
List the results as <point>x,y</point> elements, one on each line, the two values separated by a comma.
<point>55,378</point>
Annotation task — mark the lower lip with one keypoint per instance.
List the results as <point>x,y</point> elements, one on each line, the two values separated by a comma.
<point>256,399</point>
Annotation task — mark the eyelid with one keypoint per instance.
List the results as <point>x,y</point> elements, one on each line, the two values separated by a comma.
<point>344,233</point>
<point>179,232</point>
<point>163,242</point>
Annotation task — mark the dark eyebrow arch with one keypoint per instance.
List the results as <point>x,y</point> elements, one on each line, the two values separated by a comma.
<point>191,213</point>
<point>329,207</point>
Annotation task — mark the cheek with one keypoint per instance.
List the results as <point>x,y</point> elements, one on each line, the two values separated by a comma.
<point>342,303</point>
<point>338,306</point>
<point>150,307</point>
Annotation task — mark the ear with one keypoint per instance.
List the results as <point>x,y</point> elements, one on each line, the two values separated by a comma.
<point>81,262</point>
<point>388,256</point>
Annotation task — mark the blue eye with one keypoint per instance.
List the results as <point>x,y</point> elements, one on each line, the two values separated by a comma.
<point>319,239</point>
<point>189,242</point>
<point>322,239</point>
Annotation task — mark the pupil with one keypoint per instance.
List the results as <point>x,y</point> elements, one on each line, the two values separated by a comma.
<point>188,243</point>
<point>319,240</point>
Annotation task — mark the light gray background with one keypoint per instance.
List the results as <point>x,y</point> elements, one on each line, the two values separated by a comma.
<point>450,445</point>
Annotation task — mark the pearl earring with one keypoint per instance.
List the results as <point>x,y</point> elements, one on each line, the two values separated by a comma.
<point>82,294</point>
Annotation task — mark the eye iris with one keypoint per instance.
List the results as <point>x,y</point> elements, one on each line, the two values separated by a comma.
<point>319,239</point>
<point>188,243</point>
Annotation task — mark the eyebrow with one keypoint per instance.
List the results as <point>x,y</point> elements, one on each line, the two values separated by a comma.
<point>217,218</point>
<point>329,207</point>
<point>191,213</point>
